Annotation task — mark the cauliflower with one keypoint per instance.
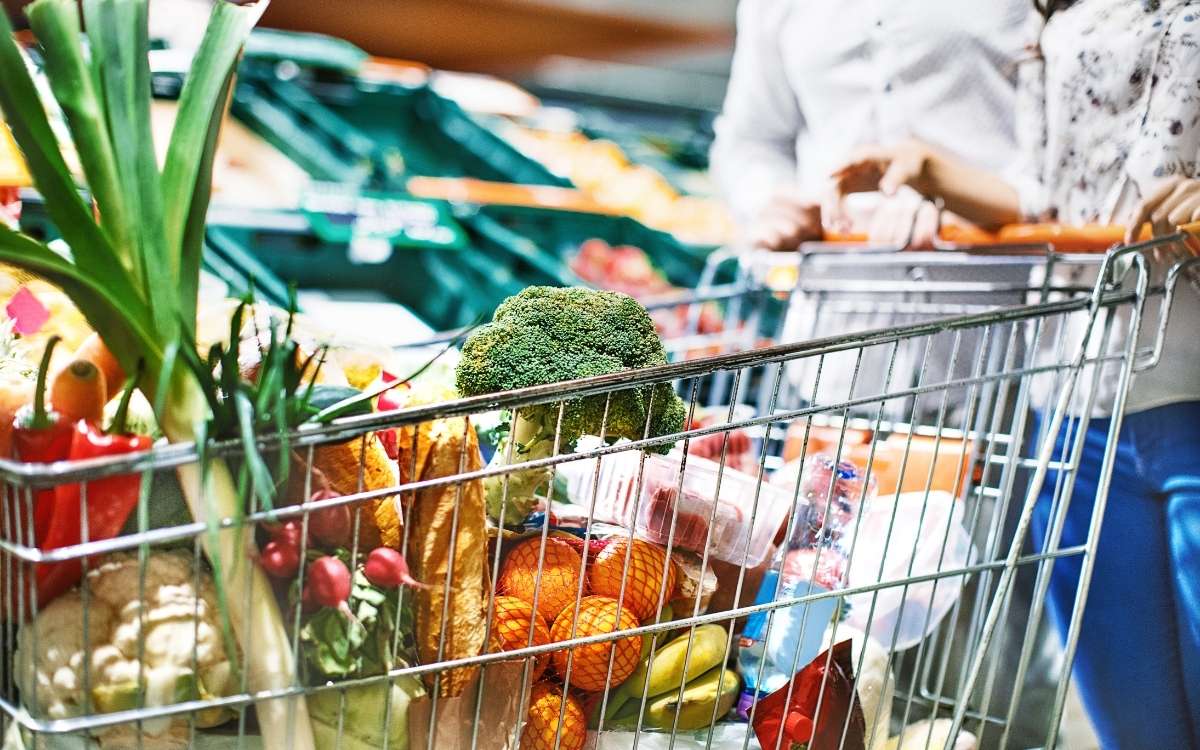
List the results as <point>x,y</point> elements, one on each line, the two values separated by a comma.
<point>184,654</point>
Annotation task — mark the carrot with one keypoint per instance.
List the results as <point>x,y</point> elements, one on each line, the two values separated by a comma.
<point>79,392</point>
<point>95,351</point>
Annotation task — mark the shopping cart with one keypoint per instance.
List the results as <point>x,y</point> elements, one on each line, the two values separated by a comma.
<point>928,445</point>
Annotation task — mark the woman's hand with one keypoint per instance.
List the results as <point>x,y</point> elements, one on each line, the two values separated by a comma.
<point>1176,202</point>
<point>886,169</point>
<point>786,222</point>
<point>904,220</point>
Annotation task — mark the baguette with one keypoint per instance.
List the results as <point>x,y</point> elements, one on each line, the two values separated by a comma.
<point>451,564</point>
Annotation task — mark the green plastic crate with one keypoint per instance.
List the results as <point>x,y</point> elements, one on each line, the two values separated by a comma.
<point>446,288</point>
<point>344,129</point>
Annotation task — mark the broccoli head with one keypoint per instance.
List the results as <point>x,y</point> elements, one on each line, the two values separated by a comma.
<point>547,335</point>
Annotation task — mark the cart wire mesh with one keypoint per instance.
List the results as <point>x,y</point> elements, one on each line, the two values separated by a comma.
<point>947,413</point>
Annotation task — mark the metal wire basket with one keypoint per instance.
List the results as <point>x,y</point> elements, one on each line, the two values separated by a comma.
<point>934,410</point>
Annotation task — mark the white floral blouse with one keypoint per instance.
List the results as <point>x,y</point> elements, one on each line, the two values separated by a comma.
<point>1110,107</point>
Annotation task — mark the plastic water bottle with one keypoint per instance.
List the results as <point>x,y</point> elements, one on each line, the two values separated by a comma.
<point>812,560</point>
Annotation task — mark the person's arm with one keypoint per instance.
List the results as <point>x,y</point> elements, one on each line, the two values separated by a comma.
<point>753,158</point>
<point>1166,154</point>
<point>979,196</point>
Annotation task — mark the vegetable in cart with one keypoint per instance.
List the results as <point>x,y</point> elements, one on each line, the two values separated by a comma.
<point>547,335</point>
<point>134,266</point>
<point>151,636</point>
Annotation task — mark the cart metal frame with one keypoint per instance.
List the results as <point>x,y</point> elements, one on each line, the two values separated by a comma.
<point>1008,355</point>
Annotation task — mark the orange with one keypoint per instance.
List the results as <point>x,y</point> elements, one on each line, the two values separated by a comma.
<point>542,727</point>
<point>589,665</point>
<point>511,623</point>
<point>643,575</point>
<point>555,582</point>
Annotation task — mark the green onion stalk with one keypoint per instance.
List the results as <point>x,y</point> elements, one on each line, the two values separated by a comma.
<point>133,268</point>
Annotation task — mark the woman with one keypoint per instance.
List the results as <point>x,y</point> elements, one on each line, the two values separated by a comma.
<point>1109,119</point>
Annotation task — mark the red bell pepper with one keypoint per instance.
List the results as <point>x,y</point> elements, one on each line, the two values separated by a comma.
<point>40,436</point>
<point>110,500</point>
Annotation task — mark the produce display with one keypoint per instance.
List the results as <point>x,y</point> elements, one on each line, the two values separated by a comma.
<point>628,269</point>
<point>602,169</point>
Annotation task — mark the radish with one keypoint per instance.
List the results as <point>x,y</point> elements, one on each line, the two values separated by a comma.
<point>331,525</point>
<point>280,559</point>
<point>387,569</point>
<point>329,583</point>
<point>287,533</point>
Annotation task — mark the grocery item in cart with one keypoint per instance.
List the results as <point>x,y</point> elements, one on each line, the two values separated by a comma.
<point>548,335</point>
<point>817,709</point>
<point>685,684</point>
<point>696,505</point>
<point>738,446</point>
<point>813,560</point>
<point>169,637</point>
<point>913,534</point>
<point>448,544</point>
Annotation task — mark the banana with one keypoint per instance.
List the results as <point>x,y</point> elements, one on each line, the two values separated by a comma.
<point>667,671</point>
<point>705,699</point>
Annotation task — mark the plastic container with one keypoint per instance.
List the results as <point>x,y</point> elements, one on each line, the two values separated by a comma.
<point>706,516</point>
<point>659,504</point>
<point>812,561</point>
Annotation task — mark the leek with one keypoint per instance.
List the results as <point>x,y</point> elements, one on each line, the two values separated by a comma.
<point>135,265</point>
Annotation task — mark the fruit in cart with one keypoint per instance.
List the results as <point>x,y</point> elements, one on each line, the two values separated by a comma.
<point>515,625</point>
<point>553,723</point>
<point>670,669</point>
<point>666,671</point>
<point>642,569</point>
<point>548,580</point>
<point>589,664</point>
<point>162,623</point>
<point>548,335</point>
<point>700,703</point>
<point>703,701</point>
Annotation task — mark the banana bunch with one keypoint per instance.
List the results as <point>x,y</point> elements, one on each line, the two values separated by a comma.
<point>699,689</point>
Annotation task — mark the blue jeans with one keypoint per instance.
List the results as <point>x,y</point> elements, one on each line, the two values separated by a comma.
<point>1138,661</point>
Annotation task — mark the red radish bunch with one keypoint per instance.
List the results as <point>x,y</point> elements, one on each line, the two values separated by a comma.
<point>327,584</point>
<point>387,569</point>
<point>330,526</point>
<point>280,557</point>
<point>390,401</point>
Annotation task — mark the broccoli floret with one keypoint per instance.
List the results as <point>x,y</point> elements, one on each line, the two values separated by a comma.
<point>547,335</point>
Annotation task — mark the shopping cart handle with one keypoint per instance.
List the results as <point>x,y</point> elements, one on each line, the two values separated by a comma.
<point>1065,237</point>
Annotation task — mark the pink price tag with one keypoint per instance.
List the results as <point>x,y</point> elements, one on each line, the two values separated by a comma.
<point>27,311</point>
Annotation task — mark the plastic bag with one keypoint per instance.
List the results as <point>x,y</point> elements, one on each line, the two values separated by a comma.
<point>907,614</point>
